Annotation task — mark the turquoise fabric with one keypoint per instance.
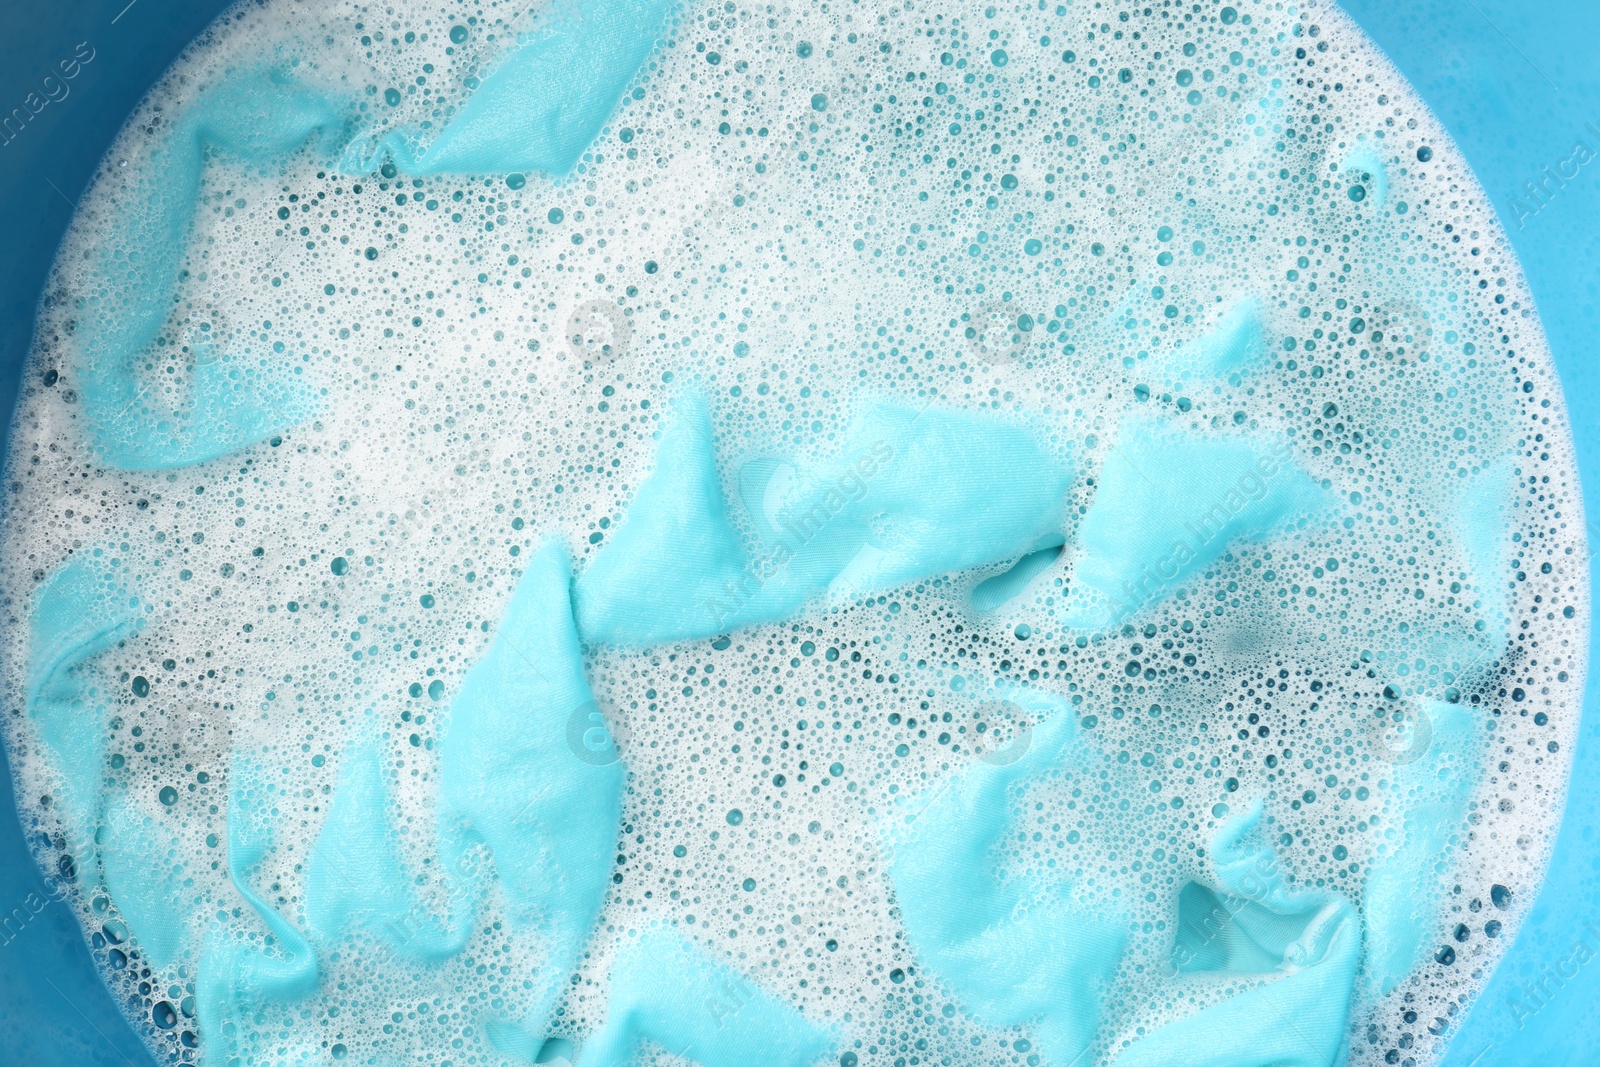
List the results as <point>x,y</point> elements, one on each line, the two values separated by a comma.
<point>1012,951</point>
<point>660,576</point>
<point>1310,938</point>
<point>80,612</point>
<point>1221,932</point>
<point>1168,503</point>
<point>512,777</point>
<point>226,394</point>
<point>354,879</point>
<point>911,493</point>
<point>138,858</point>
<point>1426,810</point>
<point>545,103</point>
<point>243,971</point>
<point>668,992</point>
<point>1235,346</point>
<point>993,593</point>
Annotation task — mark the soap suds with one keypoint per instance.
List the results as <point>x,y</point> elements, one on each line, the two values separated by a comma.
<point>306,410</point>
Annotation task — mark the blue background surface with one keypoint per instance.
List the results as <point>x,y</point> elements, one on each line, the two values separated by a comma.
<point>1515,84</point>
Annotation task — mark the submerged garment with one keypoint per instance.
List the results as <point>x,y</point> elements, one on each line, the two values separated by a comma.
<point>767,206</point>
<point>667,991</point>
<point>910,494</point>
<point>79,613</point>
<point>1013,952</point>
<point>229,391</point>
<point>512,776</point>
<point>1259,925</point>
<point>1426,810</point>
<point>1237,344</point>
<point>546,102</point>
<point>240,972</point>
<point>1167,504</point>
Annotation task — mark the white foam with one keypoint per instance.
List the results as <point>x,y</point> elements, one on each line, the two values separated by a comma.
<point>793,265</point>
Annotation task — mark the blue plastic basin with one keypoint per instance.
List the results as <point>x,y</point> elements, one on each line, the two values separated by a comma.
<point>1517,85</point>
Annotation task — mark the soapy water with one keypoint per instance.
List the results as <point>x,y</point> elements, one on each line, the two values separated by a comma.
<point>850,533</point>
